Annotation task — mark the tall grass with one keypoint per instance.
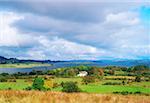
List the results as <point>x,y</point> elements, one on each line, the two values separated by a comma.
<point>10,96</point>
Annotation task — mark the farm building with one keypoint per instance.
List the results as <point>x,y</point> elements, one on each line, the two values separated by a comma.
<point>82,74</point>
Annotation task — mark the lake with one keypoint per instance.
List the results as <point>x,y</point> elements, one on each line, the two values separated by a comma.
<point>68,64</point>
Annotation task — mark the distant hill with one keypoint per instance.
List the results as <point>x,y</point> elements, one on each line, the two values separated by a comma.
<point>125,62</point>
<point>116,62</point>
<point>4,60</point>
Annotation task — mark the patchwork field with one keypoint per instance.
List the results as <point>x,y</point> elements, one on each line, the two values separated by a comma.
<point>97,87</point>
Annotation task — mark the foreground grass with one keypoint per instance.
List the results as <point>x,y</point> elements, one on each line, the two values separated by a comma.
<point>23,65</point>
<point>59,97</point>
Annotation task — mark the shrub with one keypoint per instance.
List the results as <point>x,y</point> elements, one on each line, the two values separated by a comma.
<point>38,84</point>
<point>9,88</point>
<point>28,88</point>
<point>55,85</point>
<point>70,87</point>
<point>137,79</point>
<point>127,92</point>
<point>111,72</point>
<point>123,82</point>
<point>3,79</point>
<point>12,80</point>
<point>112,83</point>
<point>48,83</point>
<point>88,79</point>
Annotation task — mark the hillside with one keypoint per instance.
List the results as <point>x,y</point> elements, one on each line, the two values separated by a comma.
<point>4,60</point>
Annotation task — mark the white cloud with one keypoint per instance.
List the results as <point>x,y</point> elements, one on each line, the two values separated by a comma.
<point>61,49</point>
<point>123,18</point>
<point>65,35</point>
<point>9,35</point>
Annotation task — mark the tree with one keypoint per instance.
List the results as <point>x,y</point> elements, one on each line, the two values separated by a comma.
<point>38,84</point>
<point>111,72</point>
<point>101,72</point>
<point>88,79</point>
<point>70,87</point>
<point>138,79</point>
<point>123,82</point>
<point>94,71</point>
<point>71,72</point>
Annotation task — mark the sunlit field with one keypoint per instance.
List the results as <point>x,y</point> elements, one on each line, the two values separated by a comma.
<point>97,87</point>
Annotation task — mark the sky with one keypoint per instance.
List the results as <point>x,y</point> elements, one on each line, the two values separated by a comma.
<point>75,30</point>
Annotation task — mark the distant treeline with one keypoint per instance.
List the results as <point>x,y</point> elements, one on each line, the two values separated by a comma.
<point>139,70</point>
<point>4,60</point>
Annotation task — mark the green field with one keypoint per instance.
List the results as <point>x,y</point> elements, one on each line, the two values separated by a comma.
<point>23,65</point>
<point>143,87</point>
<point>18,85</point>
<point>90,88</point>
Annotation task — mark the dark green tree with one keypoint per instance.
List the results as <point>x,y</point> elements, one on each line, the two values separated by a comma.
<point>38,84</point>
<point>70,87</point>
<point>137,79</point>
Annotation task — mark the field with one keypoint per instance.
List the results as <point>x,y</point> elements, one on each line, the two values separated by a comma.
<point>121,86</point>
<point>59,97</point>
<point>23,65</point>
<point>97,87</point>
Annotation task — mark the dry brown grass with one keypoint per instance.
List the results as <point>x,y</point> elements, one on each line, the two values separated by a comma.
<point>59,97</point>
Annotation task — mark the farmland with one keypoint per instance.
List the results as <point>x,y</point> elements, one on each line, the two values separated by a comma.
<point>97,87</point>
<point>101,85</point>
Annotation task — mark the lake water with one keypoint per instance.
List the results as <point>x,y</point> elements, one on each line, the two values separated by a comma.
<point>64,64</point>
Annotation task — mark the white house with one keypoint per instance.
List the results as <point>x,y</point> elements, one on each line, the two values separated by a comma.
<point>82,74</point>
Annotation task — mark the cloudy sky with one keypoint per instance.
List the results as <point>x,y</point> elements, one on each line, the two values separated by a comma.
<point>72,30</point>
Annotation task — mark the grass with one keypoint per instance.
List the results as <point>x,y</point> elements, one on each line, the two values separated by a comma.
<point>18,85</point>
<point>90,88</point>
<point>99,88</point>
<point>59,97</point>
<point>111,88</point>
<point>108,89</point>
<point>59,80</point>
<point>23,65</point>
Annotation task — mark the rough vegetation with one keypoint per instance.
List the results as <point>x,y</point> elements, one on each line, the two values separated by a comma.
<point>59,97</point>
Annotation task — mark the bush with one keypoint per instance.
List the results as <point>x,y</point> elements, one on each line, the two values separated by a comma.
<point>112,83</point>
<point>137,79</point>
<point>38,84</point>
<point>123,82</point>
<point>3,79</point>
<point>70,87</point>
<point>28,88</point>
<point>55,85</point>
<point>88,79</point>
<point>12,80</point>
<point>9,88</point>
<point>127,92</point>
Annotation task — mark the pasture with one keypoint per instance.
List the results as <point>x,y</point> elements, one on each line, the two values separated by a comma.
<point>96,87</point>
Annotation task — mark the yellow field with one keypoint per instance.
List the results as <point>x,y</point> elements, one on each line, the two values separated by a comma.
<point>59,97</point>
